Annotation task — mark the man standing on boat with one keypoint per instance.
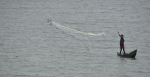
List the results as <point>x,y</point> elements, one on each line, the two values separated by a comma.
<point>121,43</point>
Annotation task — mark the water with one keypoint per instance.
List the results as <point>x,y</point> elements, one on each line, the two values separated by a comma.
<point>30,47</point>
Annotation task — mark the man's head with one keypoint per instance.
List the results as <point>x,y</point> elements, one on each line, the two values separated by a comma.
<point>121,35</point>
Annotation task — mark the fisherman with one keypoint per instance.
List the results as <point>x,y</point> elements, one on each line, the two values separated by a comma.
<point>121,43</point>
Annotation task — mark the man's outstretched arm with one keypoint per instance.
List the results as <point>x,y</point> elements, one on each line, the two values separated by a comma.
<point>119,34</point>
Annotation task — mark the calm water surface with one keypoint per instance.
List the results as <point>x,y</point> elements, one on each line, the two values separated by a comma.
<point>31,47</point>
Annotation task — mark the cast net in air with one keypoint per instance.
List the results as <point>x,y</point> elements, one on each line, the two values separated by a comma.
<point>82,36</point>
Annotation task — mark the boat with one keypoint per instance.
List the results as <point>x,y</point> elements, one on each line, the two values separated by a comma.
<point>129,55</point>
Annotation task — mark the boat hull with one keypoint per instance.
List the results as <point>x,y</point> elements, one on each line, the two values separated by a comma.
<point>129,55</point>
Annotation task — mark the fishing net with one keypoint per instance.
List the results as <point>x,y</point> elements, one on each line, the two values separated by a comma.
<point>82,36</point>
<point>75,33</point>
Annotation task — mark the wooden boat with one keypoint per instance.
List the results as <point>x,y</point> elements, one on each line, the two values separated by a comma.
<point>129,55</point>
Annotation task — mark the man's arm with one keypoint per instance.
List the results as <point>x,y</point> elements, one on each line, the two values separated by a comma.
<point>119,34</point>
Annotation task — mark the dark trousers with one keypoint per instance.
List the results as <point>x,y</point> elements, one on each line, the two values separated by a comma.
<point>121,50</point>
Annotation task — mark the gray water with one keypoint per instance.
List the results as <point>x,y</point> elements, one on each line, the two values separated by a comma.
<point>31,47</point>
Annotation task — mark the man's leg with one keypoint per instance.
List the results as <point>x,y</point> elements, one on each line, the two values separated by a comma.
<point>120,50</point>
<point>124,50</point>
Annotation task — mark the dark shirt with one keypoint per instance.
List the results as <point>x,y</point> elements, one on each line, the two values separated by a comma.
<point>121,41</point>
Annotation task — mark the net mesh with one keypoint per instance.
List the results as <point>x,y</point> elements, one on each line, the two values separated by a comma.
<point>75,33</point>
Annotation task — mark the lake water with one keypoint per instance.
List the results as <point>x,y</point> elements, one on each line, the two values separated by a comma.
<point>31,47</point>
